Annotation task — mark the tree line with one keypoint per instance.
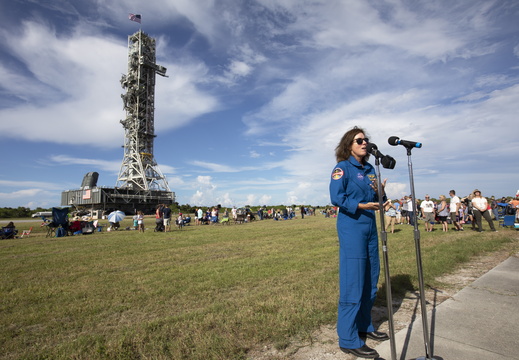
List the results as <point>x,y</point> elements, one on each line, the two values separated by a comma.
<point>19,212</point>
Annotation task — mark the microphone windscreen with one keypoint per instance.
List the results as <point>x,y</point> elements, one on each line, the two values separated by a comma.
<point>388,162</point>
<point>370,147</point>
<point>393,140</point>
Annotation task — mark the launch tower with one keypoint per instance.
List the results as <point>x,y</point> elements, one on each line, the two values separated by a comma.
<point>140,184</point>
<point>139,170</point>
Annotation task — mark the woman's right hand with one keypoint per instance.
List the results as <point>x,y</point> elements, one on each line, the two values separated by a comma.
<point>368,206</point>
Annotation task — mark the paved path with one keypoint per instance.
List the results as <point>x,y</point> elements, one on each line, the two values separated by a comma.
<point>481,322</point>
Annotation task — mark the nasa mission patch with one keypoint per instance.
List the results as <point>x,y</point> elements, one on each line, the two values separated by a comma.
<point>337,173</point>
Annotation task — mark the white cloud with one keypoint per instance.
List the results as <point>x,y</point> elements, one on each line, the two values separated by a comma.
<point>30,184</point>
<point>215,167</point>
<point>493,80</point>
<point>207,194</point>
<point>250,199</point>
<point>111,166</point>
<point>72,94</point>
<point>239,68</point>
<point>21,193</point>
<point>265,199</point>
<point>83,86</point>
<point>221,168</point>
<point>204,180</point>
<point>44,198</point>
<point>178,99</point>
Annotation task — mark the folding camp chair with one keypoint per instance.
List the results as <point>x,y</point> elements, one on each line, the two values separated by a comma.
<point>8,233</point>
<point>508,220</point>
<point>26,233</point>
<point>87,227</point>
<point>225,221</point>
<point>59,219</point>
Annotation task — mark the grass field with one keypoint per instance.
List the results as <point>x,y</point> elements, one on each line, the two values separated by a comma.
<point>204,292</point>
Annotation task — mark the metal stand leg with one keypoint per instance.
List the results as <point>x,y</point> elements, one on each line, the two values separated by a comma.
<point>428,352</point>
<point>387,277</point>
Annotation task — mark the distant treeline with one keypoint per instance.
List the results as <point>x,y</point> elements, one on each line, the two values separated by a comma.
<point>19,212</point>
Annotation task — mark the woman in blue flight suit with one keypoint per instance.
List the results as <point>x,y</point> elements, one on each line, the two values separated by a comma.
<point>353,190</point>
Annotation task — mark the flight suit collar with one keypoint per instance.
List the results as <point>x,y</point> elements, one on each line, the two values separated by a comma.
<point>354,162</point>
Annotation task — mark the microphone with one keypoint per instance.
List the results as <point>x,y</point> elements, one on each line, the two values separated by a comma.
<point>373,150</point>
<point>395,140</point>
<point>387,161</point>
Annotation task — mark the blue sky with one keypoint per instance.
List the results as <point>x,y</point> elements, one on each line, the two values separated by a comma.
<point>259,94</point>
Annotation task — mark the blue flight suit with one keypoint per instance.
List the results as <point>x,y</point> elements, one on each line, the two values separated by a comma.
<point>359,263</point>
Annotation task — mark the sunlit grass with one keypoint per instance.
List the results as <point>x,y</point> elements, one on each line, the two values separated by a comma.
<point>204,292</point>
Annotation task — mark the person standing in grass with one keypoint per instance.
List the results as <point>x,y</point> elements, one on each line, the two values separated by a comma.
<point>200,214</point>
<point>166,214</point>
<point>140,221</point>
<point>481,210</point>
<point>454,207</point>
<point>353,189</point>
<point>428,213</point>
<point>136,221</point>
<point>443,213</point>
<point>390,216</point>
<point>159,221</point>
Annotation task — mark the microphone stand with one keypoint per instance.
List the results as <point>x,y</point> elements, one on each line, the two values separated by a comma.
<point>383,237</point>
<point>428,355</point>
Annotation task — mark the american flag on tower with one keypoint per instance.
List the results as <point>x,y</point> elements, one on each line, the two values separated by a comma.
<point>135,17</point>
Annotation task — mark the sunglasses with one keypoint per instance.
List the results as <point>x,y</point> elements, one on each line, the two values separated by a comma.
<point>360,140</point>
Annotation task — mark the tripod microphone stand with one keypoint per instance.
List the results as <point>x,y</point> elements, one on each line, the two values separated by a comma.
<point>428,352</point>
<point>383,237</point>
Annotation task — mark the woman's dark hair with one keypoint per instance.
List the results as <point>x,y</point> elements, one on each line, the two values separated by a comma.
<point>343,150</point>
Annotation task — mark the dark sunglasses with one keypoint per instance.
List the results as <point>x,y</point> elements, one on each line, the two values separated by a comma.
<point>360,140</point>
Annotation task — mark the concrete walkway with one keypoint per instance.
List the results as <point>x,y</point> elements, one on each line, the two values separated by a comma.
<point>481,322</point>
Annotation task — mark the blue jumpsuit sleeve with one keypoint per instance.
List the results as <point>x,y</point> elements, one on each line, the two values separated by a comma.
<point>338,190</point>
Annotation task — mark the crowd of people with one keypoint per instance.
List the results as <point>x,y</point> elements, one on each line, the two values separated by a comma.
<point>237,215</point>
<point>470,210</point>
<point>216,215</point>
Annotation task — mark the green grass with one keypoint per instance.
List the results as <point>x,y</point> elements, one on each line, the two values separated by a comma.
<point>204,292</point>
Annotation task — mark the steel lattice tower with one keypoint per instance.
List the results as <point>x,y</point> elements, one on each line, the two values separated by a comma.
<point>139,170</point>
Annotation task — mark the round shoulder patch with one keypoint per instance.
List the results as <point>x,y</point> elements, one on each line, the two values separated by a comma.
<point>337,173</point>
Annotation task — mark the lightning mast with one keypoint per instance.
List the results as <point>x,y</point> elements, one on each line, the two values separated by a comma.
<point>139,170</point>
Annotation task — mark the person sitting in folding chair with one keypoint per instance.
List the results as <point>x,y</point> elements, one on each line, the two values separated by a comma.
<point>75,226</point>
<point>9,231</point>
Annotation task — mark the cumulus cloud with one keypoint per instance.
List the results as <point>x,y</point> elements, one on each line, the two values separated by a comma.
<point>44,198</point>
<point>207,194</point>
<point>215,167</point>
<point>73,83</point>
<point>265,199</point>
<point>30,184</point>
<point>111,166</point>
